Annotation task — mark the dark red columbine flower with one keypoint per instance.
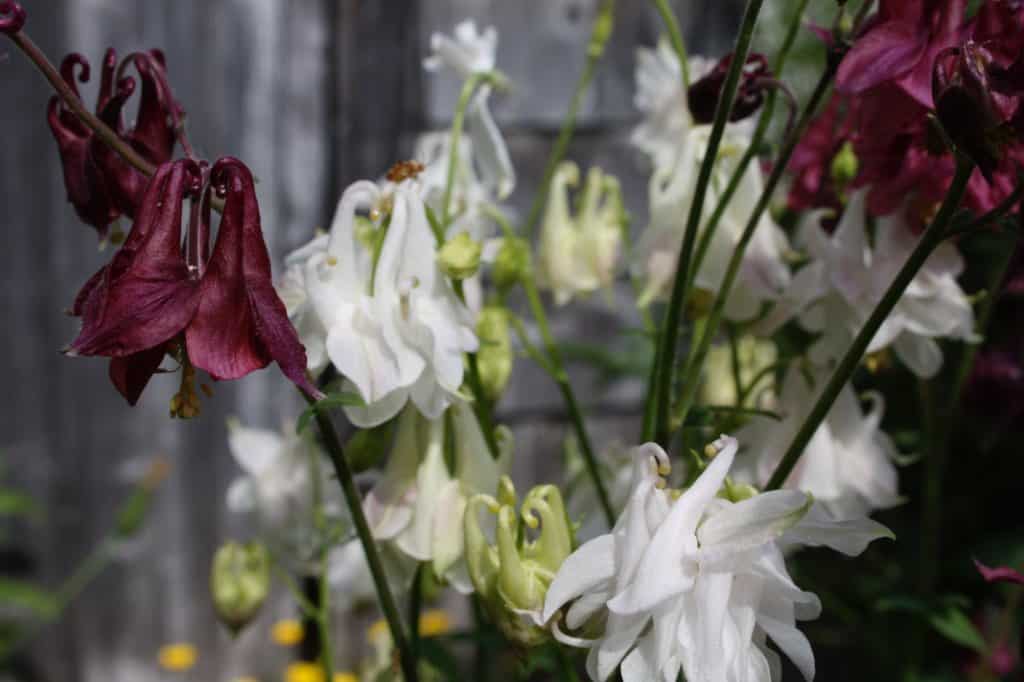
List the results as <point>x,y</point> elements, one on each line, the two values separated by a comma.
<point>811,166</point>
<point>100,184</point>
<point>703,95</point>
<point>12,17</point>
<point>216,311</point>
<point>900,46</point>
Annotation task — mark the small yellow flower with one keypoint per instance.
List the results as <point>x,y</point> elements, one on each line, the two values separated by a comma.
<point>304,672</point>
<point>434,622</point>
<point>287,632</point>
<point>177,657</point>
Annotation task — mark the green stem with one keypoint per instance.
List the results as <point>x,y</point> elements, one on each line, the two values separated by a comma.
<point>388,606</point>
<point>561,378</point>
<point>468,88</point>
<point>931,238</point>
<point>415,607</point>
<point>675,36</point>
<point>598,38</point>
<point>691,380</point>
<point>763,124</point>
<point>938,446</point>
<point>323,620</point>
<point>670,327</point>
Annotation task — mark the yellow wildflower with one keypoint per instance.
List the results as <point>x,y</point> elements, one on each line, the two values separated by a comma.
<point>177,657</point>
<point>287,632</point>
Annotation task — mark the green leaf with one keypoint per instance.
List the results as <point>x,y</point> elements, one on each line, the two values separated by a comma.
<point>945,615</point>
<point>332,401</point>
<point>13,503</point>
<point>27,596</point>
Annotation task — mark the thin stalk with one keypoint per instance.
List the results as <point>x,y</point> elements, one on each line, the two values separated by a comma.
<point>670,326</point>
<point>415,607</point>
<point>458,120</point>
<point>99,128</point>
<point>931,238</point>
<point>763,123</point>
<point>332,444</point>
<point>938,445</point>
<point>691,379</point>
<point>675,37</point>
<point>598,38</point>
<point>323,620</point>
<point>561,378</point>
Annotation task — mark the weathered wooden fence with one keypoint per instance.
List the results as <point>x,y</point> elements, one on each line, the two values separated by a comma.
<point>312,94</point>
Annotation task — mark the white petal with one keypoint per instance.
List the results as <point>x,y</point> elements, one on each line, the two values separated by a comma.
<point>852,537</point>
<point>919,353</point>
<point>489,146</point>
<point>584,570</point>
<point>752,522</point>
<point>792,642</point>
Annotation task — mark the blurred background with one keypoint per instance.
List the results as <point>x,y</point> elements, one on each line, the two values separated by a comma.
<point>312,95</point>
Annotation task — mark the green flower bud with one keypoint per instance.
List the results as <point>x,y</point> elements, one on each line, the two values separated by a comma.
<point>495,357</point>
<point>459,257</point>
<point>512,263</point>
<point>845,166</point>
<point>239,583</point>
<point>604,23</point>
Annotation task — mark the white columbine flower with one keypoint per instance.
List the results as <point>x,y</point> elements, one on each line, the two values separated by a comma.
<point>578,254</point>
<point>836,292</point>
<point>419,504</point>
<point>394,328</point>
<point>698,583</point>
<point>848,465</point>
<point>467,53</point>
<point>764,274</point>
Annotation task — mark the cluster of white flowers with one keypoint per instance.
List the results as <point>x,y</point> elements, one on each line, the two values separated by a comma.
<point>697,582</point>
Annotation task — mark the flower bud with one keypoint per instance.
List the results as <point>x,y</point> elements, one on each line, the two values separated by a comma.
<point>965,104</point>
<point>459,257</point>
<point>703,95</point>
<point>512,263</point>
<point>845,166</point>
<point>513,573</point>
<point>495,357</point>
<point>604,24</point>
<point>12,17</point>
<point>239,583</point>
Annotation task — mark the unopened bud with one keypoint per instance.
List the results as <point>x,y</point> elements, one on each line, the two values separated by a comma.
<point>495,357</point>
<point>604,24</point>
<point>512,263</point>
<point>845,166</point>
<point>459,258</point>
<point>239,583</point>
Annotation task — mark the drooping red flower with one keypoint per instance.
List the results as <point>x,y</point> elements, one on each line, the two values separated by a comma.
<point>703,95</point>
<point>100,184</point>
<point>900,45</point>
<point>215,311</point>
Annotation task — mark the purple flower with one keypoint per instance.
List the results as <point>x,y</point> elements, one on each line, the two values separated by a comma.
<point>703,95</point>
<point>100,184</point>
<point>1003,574</point>
<point>214,311</point>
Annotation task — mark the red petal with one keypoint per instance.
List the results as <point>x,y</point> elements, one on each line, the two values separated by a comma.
<point>1003,574</point>
<point>146,296</point>
<point>241,324</point>
<point>886,53</point>
<point>130,374</point>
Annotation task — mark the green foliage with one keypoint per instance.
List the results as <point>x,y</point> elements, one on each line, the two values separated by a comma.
<point>945,615</point>
<point>325,405</point>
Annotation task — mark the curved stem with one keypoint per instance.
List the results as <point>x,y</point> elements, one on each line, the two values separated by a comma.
<point>99,128</point>
<point>931,238</point>
<point>675,36</point>
<point>458,120</point>
<point>561,378</point>
<point>670,326</point>
<point>332,444</point>
<point>598,38</point>
<point>691,379</point>
<point>945,421</point>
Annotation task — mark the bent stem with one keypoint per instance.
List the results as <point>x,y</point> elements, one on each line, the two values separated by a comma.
<point>595,50</point>
<point>691,380</point>
<point>557,371</point>
<point>938,446</point>
<point>348,487</point>
<point>931,238</point>
<point>669,338</point>
<point>675,37</point>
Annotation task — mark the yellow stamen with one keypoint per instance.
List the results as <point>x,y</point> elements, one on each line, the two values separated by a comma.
<point>434,622</point>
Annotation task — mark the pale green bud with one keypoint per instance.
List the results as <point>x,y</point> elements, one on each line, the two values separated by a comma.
<point>512,263</point>
<point>845,166</point>
<point>239,583</point>
<point>495,357</point>
<point>459,257</point>
<point>604,23</point>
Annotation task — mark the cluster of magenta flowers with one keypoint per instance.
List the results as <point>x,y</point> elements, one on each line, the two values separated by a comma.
<point>166,292</point>
<point>913,60</point>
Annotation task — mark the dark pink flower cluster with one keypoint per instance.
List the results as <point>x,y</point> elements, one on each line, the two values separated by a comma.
<point>912,59</point>
<point>216,310</point>
<point>101,185</point>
